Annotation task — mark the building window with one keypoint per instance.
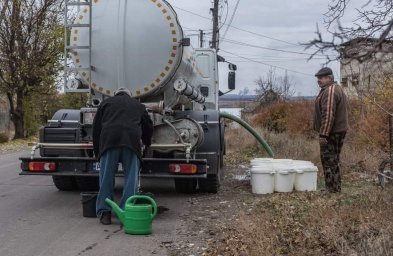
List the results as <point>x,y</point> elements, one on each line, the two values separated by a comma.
<point>344,82</point>
<point>355,80</point>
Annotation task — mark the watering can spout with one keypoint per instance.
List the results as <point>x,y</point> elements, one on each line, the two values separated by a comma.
<point>118,211</point>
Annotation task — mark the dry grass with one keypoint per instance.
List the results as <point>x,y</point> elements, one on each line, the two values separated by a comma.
<point>242,147</point>
<point>17,144</point>
<point>355,157</point>
<point>358,221</point>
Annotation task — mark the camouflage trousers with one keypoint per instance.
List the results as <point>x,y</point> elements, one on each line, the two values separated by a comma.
<point>330,157</point>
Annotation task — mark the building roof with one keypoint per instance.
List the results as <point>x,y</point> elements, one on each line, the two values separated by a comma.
<point>365,40</point>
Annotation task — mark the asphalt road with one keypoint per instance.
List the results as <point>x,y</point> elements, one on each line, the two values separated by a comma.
<point>37,219</point>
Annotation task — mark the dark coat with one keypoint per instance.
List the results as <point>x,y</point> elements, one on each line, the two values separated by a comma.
<point>121,121</point>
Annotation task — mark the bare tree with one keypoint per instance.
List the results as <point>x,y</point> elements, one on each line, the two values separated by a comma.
<point>30,48</point>
<point>374,21</point>
<point>244,91</point>
<point>272,88</point>
<point>243,102</point>
<point>286,86</point>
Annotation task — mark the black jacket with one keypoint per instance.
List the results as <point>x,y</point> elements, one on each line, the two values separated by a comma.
<point>121,121</point>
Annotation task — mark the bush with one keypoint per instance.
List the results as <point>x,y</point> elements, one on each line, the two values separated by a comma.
<point>287,127</point>
<point>295,118</point>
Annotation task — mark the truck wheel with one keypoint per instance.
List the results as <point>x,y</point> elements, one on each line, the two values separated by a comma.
<point>88,183</point>
<point>211,184</point>
<point>187,186</point>
<point>65,183</point>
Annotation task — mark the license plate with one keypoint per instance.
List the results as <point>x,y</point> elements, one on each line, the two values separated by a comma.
<point>96,167</point>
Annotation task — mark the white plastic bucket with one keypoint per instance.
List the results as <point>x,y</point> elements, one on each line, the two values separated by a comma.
<point>262,181</point>
<point>285,180</point>
<point>282,164</point>
<point>261,161</point>
<point>306,179</point>
<point>283,159</point>
<point>301,163</point>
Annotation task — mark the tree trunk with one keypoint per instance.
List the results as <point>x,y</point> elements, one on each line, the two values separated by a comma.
<point>17,115</point>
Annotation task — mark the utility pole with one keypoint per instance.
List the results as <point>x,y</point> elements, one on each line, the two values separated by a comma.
<point>214,44</point>
<point>201,38</point>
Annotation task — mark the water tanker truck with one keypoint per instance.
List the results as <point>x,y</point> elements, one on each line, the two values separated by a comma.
<point>139,45</point>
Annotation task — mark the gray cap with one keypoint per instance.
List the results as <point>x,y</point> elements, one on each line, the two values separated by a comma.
<point>324,72</point>
<point>122,89</point>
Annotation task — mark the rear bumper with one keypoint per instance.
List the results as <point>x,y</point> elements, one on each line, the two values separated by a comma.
<point>83,166</point>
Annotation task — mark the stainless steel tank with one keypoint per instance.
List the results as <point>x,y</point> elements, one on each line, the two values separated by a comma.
<point>135,44</point>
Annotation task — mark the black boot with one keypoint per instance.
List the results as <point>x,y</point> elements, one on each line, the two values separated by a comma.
<point>106,218</point>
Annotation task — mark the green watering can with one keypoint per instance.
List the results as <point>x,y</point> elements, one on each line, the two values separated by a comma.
<point>136,218</point>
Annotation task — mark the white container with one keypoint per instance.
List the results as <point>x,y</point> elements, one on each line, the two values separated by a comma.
<point>285,180</point>
<point>306,179</point>
<point>261,161</point>
<point>301,163</point>
<point>283,160</point>
<point>262,181</point>
<point>282,164</point>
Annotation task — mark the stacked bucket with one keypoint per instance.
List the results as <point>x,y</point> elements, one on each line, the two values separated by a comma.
<point>282,175</point>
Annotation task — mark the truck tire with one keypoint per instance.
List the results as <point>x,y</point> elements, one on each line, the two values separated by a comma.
<point>65,183</point>
<point>186,186</point>
<point>211,184</point>
<point>88,183</point>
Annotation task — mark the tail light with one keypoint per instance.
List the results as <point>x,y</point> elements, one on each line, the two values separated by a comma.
<point>183,168</point>
<point>42,166</point>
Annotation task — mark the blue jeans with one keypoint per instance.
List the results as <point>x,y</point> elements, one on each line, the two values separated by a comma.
<point>109,165</point>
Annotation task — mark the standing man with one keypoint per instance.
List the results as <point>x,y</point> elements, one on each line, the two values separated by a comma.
<point>331,122</point>
<point>120,124</point>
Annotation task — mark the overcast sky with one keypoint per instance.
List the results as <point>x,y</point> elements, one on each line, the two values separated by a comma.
<point>291,22</point>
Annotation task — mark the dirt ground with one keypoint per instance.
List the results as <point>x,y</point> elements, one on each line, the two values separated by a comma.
<point>358,221</point>
<point>210,215</point>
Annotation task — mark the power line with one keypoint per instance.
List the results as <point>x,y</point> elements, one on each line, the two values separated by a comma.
<point>274,60</point>
<point>193,29</point>
<point>254,33</point>
<point>244,30</point>
<point>226,16</point>
<point>231,19</point>
<point>193,13</point>
<point>280,57</point>
<point>264,36</point>
<point>269,65</point>
<point>267,48</point>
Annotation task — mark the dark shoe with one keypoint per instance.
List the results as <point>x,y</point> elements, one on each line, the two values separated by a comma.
<point>106,218</point>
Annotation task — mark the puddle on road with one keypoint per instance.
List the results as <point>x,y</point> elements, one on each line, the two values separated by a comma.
<point>242,177</point>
